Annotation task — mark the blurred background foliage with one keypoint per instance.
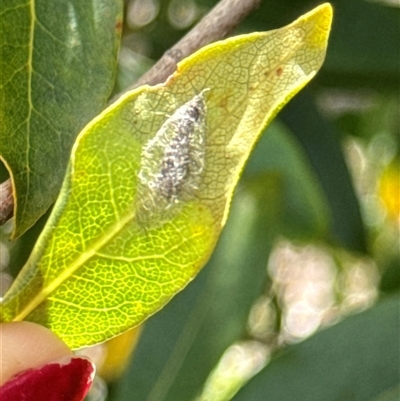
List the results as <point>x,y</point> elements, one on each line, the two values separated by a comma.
<point>312,239</point>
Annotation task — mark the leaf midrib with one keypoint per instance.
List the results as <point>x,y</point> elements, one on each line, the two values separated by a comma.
<point>32,5</point>
<point>80,261</point>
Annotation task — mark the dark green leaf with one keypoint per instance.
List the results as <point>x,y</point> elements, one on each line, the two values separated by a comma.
<point>365,45</point>
<point>58,62</point>
<point>356,360</point>
<point>303,211</point>
<point>321,143</point>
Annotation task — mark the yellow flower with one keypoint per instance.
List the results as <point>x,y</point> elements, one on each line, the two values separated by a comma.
<point>389,190</point>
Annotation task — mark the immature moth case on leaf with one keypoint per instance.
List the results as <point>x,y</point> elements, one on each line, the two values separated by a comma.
<point>172,162</point>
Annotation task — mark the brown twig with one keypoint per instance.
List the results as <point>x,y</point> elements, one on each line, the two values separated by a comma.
<point>6,201</point>
<point>220,21</point>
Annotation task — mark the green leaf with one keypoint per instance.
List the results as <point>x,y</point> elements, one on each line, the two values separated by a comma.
<point>201,322</point>
<point>393,394</point>
<point>303,212</point>
<point>321,144</point>
<point>134,224</point>
<point>58,64</point>
<point>355,360</point>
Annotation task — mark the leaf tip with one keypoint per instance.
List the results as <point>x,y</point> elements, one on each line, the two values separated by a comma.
<point>322,15</point>
<point>317,23</point>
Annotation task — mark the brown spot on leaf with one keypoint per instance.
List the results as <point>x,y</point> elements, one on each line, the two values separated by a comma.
<point>279,71</point>
<point>223,103</point>
<point>118,26</point>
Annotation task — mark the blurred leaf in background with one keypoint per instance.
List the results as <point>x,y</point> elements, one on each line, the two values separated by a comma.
<point>355,360</point>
